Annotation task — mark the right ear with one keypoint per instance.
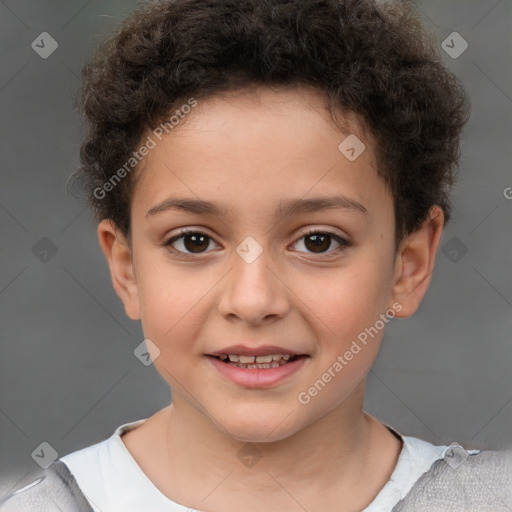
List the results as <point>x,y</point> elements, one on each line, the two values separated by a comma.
<point>119,257</point>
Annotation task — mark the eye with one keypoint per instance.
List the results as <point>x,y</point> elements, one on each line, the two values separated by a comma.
<point>189,241</point>
<point>319,241</point>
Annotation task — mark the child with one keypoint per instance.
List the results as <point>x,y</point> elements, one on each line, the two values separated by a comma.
<point>271,180</point>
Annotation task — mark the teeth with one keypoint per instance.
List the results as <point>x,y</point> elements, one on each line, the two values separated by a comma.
<point>234,358</point>
<point>264,359</point>
<point>273,364</point>
<point>267,361</point>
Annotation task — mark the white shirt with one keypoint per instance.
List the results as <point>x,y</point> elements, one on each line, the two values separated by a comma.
<point>112,481</point>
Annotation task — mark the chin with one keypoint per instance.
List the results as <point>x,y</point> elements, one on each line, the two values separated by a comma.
<point>258,427</point>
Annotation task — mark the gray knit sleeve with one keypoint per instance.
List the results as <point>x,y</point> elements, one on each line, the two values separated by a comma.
<point>480,483</point>
<point>53,489</point>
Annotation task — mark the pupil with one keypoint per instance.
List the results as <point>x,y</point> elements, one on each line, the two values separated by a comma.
<point>195,237</point>
<point>318,242</point>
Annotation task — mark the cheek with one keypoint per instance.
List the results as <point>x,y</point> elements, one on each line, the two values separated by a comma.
<point>172,316</point>
<point>173,308</point>
<point>347,300</point>
<point>344,320</point>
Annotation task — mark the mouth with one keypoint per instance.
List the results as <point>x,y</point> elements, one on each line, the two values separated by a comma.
<point>257,367</point>
<point>260,362</point>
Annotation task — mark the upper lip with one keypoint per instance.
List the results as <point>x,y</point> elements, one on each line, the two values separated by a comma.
<point>262,350</point>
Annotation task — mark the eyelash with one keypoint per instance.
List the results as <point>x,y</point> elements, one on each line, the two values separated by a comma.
<point>344,243</point>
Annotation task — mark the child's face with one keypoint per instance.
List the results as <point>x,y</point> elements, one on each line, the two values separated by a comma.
<point>249,153</point>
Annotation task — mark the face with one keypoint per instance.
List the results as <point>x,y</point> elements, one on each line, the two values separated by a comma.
<point>294,249</point>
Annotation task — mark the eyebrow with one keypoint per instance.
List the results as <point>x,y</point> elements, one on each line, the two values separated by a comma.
<point>286,208</point>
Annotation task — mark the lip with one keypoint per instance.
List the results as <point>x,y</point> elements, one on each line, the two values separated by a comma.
<point>257,377</point>
<point>263,350</point>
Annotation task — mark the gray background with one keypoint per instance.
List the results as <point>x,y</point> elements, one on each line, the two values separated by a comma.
<point>68,375</point>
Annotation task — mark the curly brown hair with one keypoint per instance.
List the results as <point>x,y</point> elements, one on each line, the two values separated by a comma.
<point>371,58</point>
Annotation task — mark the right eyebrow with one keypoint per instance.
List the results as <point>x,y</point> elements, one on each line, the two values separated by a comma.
<point>191,205</point>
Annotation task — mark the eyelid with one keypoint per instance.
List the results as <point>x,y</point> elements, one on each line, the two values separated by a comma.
<point>170,240</point>
<point>342,239</point>
<point>324,231</point>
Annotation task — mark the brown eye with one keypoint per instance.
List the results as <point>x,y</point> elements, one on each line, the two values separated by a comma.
<point>196,242</point>
<point>189,242</point>
<point>319,242</point>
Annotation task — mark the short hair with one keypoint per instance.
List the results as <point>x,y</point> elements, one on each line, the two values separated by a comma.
<point>370,58</point>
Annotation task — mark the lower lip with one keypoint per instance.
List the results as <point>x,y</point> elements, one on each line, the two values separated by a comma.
<point>257,377</point>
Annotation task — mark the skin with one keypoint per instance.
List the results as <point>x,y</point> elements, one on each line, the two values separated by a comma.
<point>249,150</point>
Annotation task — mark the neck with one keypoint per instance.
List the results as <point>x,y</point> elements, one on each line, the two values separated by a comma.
<point>335,456</point>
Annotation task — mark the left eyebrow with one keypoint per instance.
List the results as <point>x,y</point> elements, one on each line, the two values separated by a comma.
<point>290,207</point>
<point>285,208</point>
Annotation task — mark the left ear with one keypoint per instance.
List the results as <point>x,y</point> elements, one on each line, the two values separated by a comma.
<point>415,261</point>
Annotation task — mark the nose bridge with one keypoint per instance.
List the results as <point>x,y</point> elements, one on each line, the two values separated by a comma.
<point>253,291</point>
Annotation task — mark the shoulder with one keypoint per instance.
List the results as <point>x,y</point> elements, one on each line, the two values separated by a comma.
<point>463,481</point>
<point>441,478</point>
<point>54,485</point>
<point>415,459</point>
<point>81,481</point>
<point>102,464</point>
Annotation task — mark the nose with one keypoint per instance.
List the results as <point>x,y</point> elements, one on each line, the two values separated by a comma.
<point>254,292</point>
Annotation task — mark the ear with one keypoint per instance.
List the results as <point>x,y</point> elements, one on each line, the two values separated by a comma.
<point>119,257</point>
<point>415,261</point>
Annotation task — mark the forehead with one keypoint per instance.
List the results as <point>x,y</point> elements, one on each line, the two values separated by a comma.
<point>251,149</point>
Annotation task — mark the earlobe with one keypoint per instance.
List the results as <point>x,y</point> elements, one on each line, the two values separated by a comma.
<point>415,263</point>
<point>119,258</point>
